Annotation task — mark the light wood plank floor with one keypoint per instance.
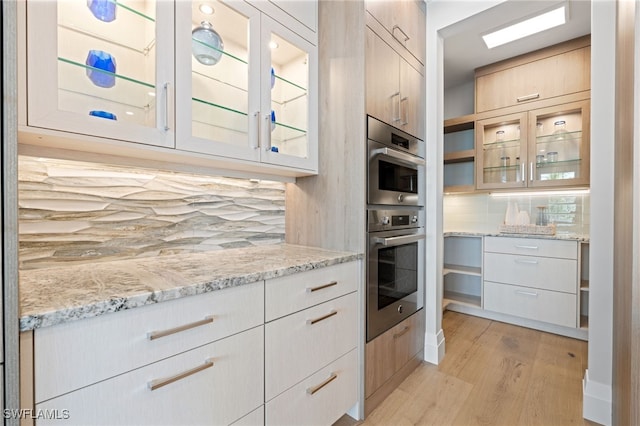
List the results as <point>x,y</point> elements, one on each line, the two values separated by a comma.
<point>492,374</point>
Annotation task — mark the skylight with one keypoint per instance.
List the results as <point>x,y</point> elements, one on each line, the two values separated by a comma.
<point>526,28</point>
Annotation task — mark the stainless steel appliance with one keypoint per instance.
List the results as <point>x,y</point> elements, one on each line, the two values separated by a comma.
<point>395,165</point>
<point>395,267</point>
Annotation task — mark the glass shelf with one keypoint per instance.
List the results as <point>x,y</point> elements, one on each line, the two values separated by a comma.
<point>511,143</point>
<point>285,91</point>
<point>127,91</point>
<point>225,54</point>
<point>285,133</point>
<point>568,136</point>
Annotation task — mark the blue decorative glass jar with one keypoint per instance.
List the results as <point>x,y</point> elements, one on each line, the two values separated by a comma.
<point>103,114</point>
<point>104,10</point>
<point>100,60</point>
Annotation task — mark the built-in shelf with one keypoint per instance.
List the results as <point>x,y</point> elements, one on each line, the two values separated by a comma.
<point>461,269</point>
<point>459,156</point>
<point>460,299</point>
<point>584,285</point>
<point>584,322</point>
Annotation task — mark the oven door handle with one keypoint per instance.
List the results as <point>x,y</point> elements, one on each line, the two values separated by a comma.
<point>398,241</point>
<point>400,156</point>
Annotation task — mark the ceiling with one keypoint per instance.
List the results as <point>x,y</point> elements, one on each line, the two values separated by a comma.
<point>464,49</point>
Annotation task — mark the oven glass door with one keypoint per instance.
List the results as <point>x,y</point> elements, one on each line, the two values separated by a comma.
<point>393,176</point>
<point>394,278</point>
<point>396,177</point>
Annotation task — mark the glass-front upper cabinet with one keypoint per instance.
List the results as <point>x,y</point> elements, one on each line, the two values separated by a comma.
<point>501,152</point>
<point>102,68</point>
<point>245,91</point>
<point>559,147</point>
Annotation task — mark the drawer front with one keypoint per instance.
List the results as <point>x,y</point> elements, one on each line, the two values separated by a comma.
<point>119,342</point>
<point>218,394</point>
<point>294,293</point>
<point>254,418</point>
<point>529,271</point>
<point>310,403</point>
<point>535,304</point>
<point>532,247</point>
<point>300,344</point>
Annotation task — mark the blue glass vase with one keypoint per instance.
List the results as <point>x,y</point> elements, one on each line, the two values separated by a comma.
<point>273,78</point>
<point>104,10</point>
<point>103,114</point>
<point>273,120</point>
<point>102,61</point>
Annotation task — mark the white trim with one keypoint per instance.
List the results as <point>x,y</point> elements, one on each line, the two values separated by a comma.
<point>434,347</point>
<point>596,401</point>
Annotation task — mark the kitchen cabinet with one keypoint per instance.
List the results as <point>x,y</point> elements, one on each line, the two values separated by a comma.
<point>532,278</point>
<point>459,154</point>
<point>584,285</point>
<point>556,71</point>
<point>245,104</point>
<point>462,271</point>
<point>404,21</point>
<point>545,147</point>
<point>257,102</point>
<point>311,335</point>
<point>389,353</point>
<point>393,87</point>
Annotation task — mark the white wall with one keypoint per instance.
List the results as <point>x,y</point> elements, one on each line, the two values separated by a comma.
<point>459,100</point>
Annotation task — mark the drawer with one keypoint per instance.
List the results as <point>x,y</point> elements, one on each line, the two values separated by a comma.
<point>219,394</point>
<point>532,247</point>
<point>310,403</point>
<point>254,418</point>
<point>120,342</point>
<point>529,271</point>
<point>300,344</point>
<point>296,292</point>
<point>541,305</point>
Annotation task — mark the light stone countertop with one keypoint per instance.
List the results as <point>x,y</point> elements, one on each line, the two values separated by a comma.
<point>565,237</point>
<point>57,295</point>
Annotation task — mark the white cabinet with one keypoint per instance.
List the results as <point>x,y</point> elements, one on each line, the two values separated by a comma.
<point>310,358</point>
<point>214,384</point>
<point>394,87</point>
<point>532,278</point>
<point>250,99</point>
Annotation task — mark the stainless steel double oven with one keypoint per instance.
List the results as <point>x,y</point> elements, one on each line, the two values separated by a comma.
<point>395,226</point>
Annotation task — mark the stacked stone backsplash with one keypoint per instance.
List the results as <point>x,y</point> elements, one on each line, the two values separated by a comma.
<point>75,212</point>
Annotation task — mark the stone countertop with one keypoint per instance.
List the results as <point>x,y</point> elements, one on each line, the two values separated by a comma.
<point>57,295</point>
<point>565,237</point>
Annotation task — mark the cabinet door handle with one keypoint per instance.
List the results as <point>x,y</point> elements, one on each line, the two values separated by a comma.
<point>393,33</point>
<point>158,383</point>
<point>527,293</point>
<point>267,131</point>
<point>395,106</point>
<point>321,287</point>
<point>531,171</point>
<point>527,262</point>
<point>316,388</point>
<point>402,333</point>
<point>152,335</point>
<point>524,178</point>
<point>406,114</point>
<point>165,89</point>
<point>527,247</point>
<point>255,143</point>
<point>322,318</point>
<point>528,97</point>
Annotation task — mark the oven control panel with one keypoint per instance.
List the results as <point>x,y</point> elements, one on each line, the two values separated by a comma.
<point>386,220</point>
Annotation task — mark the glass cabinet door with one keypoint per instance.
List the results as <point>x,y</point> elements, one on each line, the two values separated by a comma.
<point>288,73</point>
<point>501,152</point>
<point>218,97</point>
<point>102,68</point>
<point>559,145</point>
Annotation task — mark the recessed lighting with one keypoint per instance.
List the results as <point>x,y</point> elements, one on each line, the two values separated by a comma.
<point>539,23</point>
<point>151,93</point>
<point>128,112</point>
<point>206,9</point>
<point>273,45</point>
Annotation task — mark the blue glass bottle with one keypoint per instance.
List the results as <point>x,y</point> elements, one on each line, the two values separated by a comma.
<point>104,10</point>
<point>102,61</point>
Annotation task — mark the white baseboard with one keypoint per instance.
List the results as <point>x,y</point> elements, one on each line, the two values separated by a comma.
<point>596,401</point>
<point>434,347</point>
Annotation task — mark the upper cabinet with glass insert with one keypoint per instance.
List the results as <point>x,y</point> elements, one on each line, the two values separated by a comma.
<point>218,80</point>
<point>102,68</point>
<point>251,83</point>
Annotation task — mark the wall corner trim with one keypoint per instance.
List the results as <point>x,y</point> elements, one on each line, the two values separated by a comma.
<point>596,401</point>
<point>434,347</point>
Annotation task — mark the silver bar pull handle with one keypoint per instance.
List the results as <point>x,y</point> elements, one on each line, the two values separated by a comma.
<point>322,318</point>
<point>158,383</point>
<point>527,247</point>
<point>528,97</point>
<point>267,131</point>
<point>522,166</point>
<point>396,107</point>
<point>402,333</point>
<point>152,335</point>
<point>527,293</point>
<point>255,143</point>
<point>316,388</point>
<point>165,88</point>
<point>400,156</point>
<point>527,262</point>
<point>531,171</point>
<point>405,121</point>
<point>396,241</point>
<point>321,287</point>
<point>404,35</point>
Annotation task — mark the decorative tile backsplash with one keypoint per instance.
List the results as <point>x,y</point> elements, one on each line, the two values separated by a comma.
<point>75,212</point>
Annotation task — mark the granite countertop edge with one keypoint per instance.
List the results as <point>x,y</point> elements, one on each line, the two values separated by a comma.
<point>564,237</point>
<point>99,298</point>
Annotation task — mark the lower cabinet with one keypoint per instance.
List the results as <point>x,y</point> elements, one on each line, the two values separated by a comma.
<point>215,384</point>
<point>391,352</point>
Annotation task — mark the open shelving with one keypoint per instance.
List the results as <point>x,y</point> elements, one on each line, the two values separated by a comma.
<point>459,154</point>
<point>462,271</point>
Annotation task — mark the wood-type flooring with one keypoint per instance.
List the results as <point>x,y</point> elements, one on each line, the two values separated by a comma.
<point>492,374</point>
